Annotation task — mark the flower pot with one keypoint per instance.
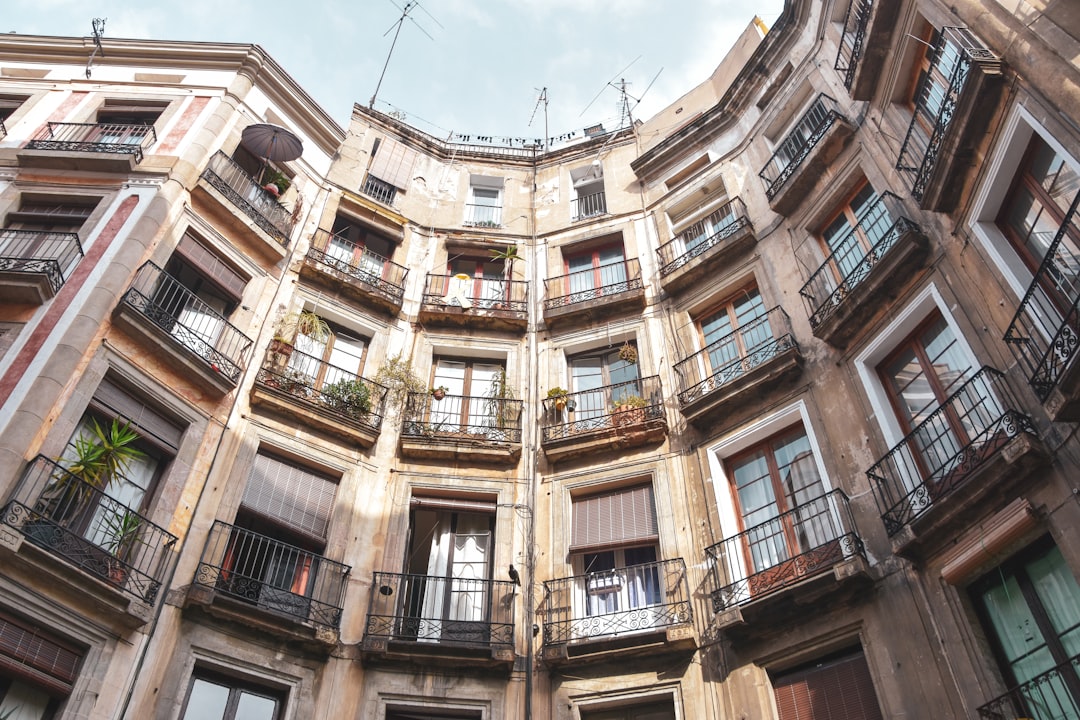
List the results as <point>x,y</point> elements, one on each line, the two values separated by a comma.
<point>560,404</point>
<point>627,415</point>
<point>438,394</point>
<point>571,406</point>
<point>272,189</point>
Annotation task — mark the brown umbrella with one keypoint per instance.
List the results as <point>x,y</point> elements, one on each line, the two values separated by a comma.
<point>272,142</point>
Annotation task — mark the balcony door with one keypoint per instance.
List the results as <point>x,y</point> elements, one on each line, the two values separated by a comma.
<point>449,568</point>
<point>468,406</point>
<point>359,249</point>
<point>599,378</point>
<point>325,361</point>
<point>734,331</point>
<point>620,579</point>
<point>601,271</point>
<point>858,226</point>
<point>485,284</point>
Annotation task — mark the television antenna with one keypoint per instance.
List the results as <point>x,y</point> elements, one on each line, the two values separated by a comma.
<point>541,98</point>
<point>626,109</point>
<point>97,26</point>
<point>396,27</point>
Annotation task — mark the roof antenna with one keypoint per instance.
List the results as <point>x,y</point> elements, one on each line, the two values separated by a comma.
<point>98,25</point>
<point>396,27</point>
<point>542,98</point>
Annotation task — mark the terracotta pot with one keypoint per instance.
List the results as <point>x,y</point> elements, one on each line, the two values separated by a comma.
<point>438,394</point>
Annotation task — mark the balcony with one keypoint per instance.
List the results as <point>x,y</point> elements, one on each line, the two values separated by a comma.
<point>243,191</point>
<point>617,614</point>
<point>804,154</point>
<point>864,272</point>
<point>256,580</point>
<point>588,206</point>
<point>610,418</point>
<point>60,515</point>
<point>1052,694</point>
<point>378,190</point>
<point>354,271</point>
<point>3,130</point>
<point>949,122</point>
<point>464,301</point>
<point>864,45</point>
<point>103,147</point>
<point>190,334</point>
<point>976,446</point>
<point>739,368</point>
<point>462,428</point>
<point>439,620</point>
<point>315,394</point>
<point>34,264</point>
<point>814,547</point>
<point>594,294</point>
<point>1044,334</point>
<point>483,216</point>
<point>706,247</point>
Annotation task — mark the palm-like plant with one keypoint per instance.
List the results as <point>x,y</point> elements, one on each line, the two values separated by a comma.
<point>99,456</point>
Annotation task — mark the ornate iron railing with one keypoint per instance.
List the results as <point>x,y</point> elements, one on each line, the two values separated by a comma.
<point>623,405</point>
<point>734,355</point>
<point>379,190</point>
<point>587,206</point>
<point>370,270</point>
<point>40,251</point>
<point>1047,696</point>
<point>593,284</point>
<point>441,611</point>
<point>322,386</point>
<point>95,137</point>
<point>851,41</point>
<point>854,257</point>
<point>461,417</point>
<point>483,216</point>
<point>196,326</point>
<point>798,143</point>
<point>958,49</point>
<point>471,293</point>
<point>273,575</point>
<point>947,448</point>
<point>232,181</point>
<point>789,548</point>
<point>702,236</point>
<point>73,519</point>
<point>634,599</point>
<point>1044,334</point>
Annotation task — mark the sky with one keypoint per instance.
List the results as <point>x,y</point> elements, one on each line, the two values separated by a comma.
<point>472,67</point>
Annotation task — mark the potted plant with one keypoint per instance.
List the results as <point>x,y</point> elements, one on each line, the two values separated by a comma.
<point>629,410</point>
<point>351,395</point>
<point>399,379</point>
<point>558,394</point>
<point>301,322</point>
<point>122,528</point>
<point>439,392</point>
<point>275,182</point>
<point>628,353</point>
<point>499,407</point>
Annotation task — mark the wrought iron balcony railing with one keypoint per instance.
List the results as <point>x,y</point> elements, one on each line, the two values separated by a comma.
<point>322,386</point>
<point>73,519</point>
<point>635,599</point>
<point>1044,334</point>
<point>52,254</point>
<point>192,323</point>
<point>470,612</point>
<point>471,293</point>
<point>593,284</point>
<point>624,404</point>
<point>460,417</point>
<point>855,256</point>
<point>244,191</point>
<point>95,138</point>
<point>947,448</point>
<point>702,236</point>
<point>852,39</point>
<point>273,575</point>
<point>379,190</point>
<point>483,216</point>
<point>785,550</point>
<point>587,206</point>
<point>734,355</point>
<point>3,129</point>
<point>1047,696</point>
<point>367,269</point>
<point>935,106</point>
<point>798,143</point>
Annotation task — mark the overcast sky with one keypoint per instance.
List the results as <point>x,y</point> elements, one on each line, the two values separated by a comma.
<point>480,71</point>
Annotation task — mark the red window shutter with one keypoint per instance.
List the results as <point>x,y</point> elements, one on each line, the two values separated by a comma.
<point>838,689</point>
<point>37,658</point>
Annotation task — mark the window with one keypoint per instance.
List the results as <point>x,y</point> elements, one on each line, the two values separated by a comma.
<point>835,688</point>
<point>198,304</point>
<point>735,329</point>
<point>599,379</point>
<point>613,546</point>
<point>587,184</point>
<point>428,713</point>
<point>52,213</point>
<point>1030,609</point>
<point>468,405</point>
<point>449,570</point>
<point>37,669</point>
<point>481,281</point>
<point>937,59</point>
<point>328,360</point>
<point>484,208</point>
<point>854,231</point>
<point>390,168</point>
<point>596,272</point>
<point>643,711</point>
<point>359,247</point>
<point>715,224</point>
<point>126,122</point>
<point>8,105</point>
<point>216,696</point>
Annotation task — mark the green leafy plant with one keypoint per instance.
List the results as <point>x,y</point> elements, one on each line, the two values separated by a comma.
<point>634,401</point>
<point>399,379</point>
<point>277,178</point>
<point>302,322</point>
<point>122,528</point>
<point>98,456</point>
<point>557,392</point>
<point>498,396</point>
<point>352,395</point>
<point>508,257</point>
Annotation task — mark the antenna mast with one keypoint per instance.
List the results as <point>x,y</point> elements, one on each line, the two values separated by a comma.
<point>98,27</point>
<point>396,27</point>
<point>542,98</point>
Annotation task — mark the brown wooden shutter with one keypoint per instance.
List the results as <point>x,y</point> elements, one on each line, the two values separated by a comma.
<point>619,517</point>
<point>393,163</point>
<point>290,495</point>
<point>211,267</point>
<point>36,658</point>
<point>838,689</point>
<point>113,400</point>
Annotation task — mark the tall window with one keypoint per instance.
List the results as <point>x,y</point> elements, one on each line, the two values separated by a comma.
<point>1030,608</point>
<point>468,405</point>
<point>51,213</point>
<point>597,271</point>
<point>640,711</point>
<point>126,121</point>
<point>216,696</point>
<point>327,360</point>
<point>37,669</point>
<point>484,283</point>
<point>199,305</point>
<point>359,247</point>
<point>588,191</point>
<point>937,59</point>
<point>851,234</point>
<point>834,688</point>
<point>599,379</point>
<point>735,329</point>
<point>484,208</point>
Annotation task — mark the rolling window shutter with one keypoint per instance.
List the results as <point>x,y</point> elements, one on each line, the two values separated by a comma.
<point>839,689</point>
<point>113,400</point>
<point>211,268</point>
<point>290,495</point>
<point>36,658</point>
<point>393,163</point>
<point>614,518</point>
